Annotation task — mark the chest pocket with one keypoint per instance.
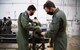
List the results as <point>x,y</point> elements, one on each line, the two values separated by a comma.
<point>55,23</point>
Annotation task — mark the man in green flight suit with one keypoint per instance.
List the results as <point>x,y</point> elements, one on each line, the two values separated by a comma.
<point>24,26</point>
<point>57,31</point>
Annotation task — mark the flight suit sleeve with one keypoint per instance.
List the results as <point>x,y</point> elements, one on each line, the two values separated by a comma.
<point>25,24</point>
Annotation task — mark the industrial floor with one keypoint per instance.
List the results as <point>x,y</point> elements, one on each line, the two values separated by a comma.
<point>73,44</point>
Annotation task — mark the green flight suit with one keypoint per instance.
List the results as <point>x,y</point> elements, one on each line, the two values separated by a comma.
<point>24,27</point>
<point>57,30</point>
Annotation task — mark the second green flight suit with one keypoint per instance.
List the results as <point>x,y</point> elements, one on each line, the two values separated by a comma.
<point>24,27</point>
<point>57,30</point>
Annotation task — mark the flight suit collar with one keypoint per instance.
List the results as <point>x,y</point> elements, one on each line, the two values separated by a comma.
<point>56,11</point>
<point>26,14</point>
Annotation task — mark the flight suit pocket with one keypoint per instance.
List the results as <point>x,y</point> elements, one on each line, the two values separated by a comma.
<point>55,24</point>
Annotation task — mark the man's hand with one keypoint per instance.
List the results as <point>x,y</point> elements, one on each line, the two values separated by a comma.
<point>43,33</point>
